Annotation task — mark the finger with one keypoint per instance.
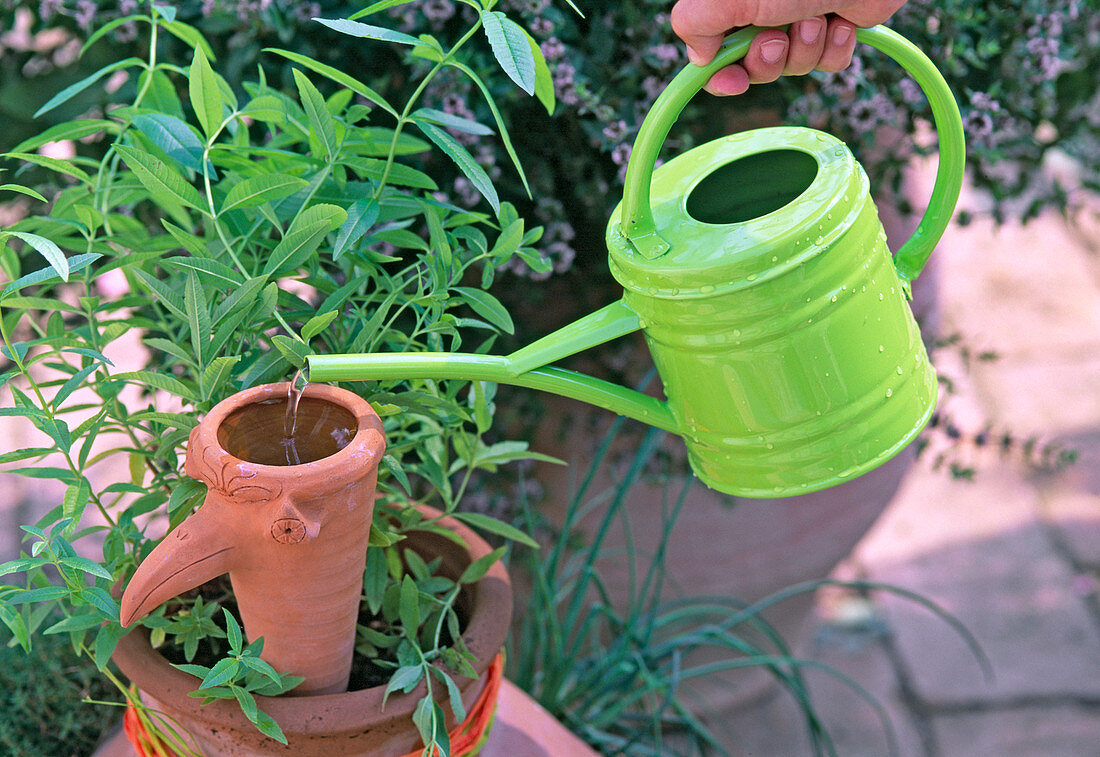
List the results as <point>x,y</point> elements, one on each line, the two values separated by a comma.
<point>767,56</point>
<point>807,42</point>
<point>731,80</point>
<point>840,43</point>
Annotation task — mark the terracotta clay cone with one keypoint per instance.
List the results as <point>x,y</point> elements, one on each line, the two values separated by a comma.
<point>293,538</point>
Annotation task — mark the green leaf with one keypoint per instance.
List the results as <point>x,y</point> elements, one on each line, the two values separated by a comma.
<point>75,89</point>
<point>501,127</point>
<point>511,48</point>
<point>409,607</point>
<point>453,694</point>
<point>294,351</point>
<point>206,98</point>
<point>162,182</point>
<point>107,28</point>
<point>189,35</point>
<point>451,121</point>
<point>21,565</point>
<point>260,189</point>
<point>14,621</point>
<point>494,526</point>
<point>233,631</point>
<point>167,12</point>
<point>58,165</point>
<point>23,190</point>
<point>158,381</point>
<point>476,570</point>
<point>198,316</point>
<point>50,251</point>
<point>544,80</point>
<point>266,108</point>
<point>219,272</point>
<point>75,623</point>
<point>69,130</point>
<point>304,236</point>
<point>357,29</point>
<point>488,307</point>
<point>317,324</point>
<point>105,642</point>
<point>320,120</point>
<point>76,499</point>
<point>223,671</point>
<point>216,374</point>
<point>168,297</point>
<point>337,76</point>
<point>404,679</point>
<point>268,727</point>
<point>465,162</point>
<point>381,5</point>
<point>85,565</point>
<point>176,138</point>
<point>247,703</point>
<point>76,263</point>
<point>362,215</point>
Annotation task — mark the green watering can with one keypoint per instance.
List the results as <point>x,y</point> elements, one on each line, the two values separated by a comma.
<point>757,268</point>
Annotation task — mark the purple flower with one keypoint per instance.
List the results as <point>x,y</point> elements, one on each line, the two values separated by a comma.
<point>621,154</point>
<point>47,9</point>
<point>552,49</point>
<point>542,27</point>
<point>438,11</point>
<point>615,131</point>
<point>85,12</point>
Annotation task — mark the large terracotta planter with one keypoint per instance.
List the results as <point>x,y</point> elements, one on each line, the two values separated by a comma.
<point>290,524</point>
<point>351,723</point>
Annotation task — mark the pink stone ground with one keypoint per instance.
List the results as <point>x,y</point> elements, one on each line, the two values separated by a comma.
<point>1015,554</point>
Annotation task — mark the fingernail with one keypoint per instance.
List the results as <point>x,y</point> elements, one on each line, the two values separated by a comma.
<point>773,51</point>
<point>841,35</point>
<point>810,30</point>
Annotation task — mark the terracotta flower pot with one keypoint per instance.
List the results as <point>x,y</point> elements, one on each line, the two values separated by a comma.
<point>349,723</point>
<point>290,524</point>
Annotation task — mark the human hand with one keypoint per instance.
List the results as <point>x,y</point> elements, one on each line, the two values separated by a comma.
<point>813,40</point>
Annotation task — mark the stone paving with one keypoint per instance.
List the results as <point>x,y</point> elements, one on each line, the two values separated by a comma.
<point>1014,554</point>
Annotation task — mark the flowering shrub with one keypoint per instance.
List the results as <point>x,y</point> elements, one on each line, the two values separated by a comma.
<point>1022,70</point>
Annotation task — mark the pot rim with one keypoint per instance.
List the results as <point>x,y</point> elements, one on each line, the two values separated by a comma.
<point>347,712</point>
<point>338,469</point>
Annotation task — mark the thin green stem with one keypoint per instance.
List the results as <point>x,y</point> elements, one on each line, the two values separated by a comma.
<point>404,117</point>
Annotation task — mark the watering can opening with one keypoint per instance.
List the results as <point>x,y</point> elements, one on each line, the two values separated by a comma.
<point>752,186</point>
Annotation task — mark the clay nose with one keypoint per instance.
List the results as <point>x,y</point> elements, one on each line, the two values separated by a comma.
<point>198,550</point>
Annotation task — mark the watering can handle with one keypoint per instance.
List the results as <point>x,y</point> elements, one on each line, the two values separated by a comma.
<point>638,224</point>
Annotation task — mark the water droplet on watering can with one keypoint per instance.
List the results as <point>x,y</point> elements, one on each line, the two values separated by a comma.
<point>899,370</point>
<point>769,445</point>
<point>863,288</point>
<point>833,298</point>
<point>889,392</point>
<point>737,332</point>
<point>775,258</point>
<point>828,215</point>
<point>882,348</point>
<point>641,323</point>
<point>778,489</point>
<point>845,198</point>
<point>891,290</point>
<point>881,296</point>
<point>706,288</point>
<point>751,277</point>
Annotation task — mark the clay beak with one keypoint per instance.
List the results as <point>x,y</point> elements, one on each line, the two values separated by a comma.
<point>198,550</point>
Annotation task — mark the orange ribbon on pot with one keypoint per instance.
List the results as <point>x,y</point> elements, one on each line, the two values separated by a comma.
<point>466,739</point>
